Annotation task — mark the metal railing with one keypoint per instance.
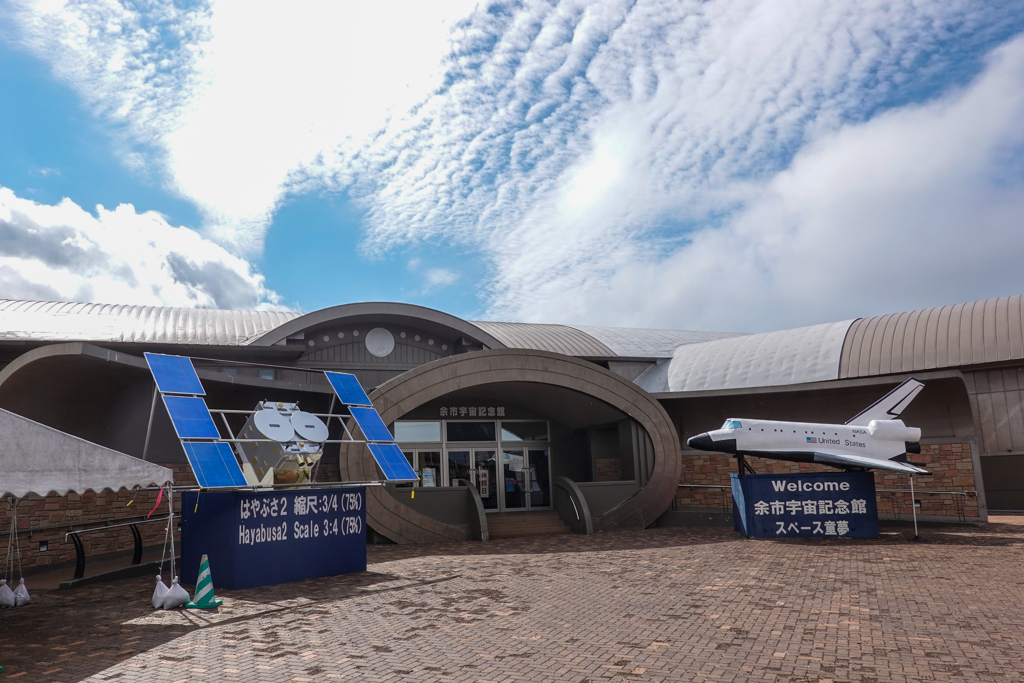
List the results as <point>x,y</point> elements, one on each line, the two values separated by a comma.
<point>132,522</point>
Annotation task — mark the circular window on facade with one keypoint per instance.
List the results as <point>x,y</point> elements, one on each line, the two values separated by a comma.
<point>380,342</point>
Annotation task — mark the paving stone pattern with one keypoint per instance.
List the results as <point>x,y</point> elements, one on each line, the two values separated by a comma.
<point>660,605</point>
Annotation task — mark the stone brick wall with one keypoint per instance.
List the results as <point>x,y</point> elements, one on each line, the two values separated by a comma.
<point>49,518</point>
<point>950,464</point>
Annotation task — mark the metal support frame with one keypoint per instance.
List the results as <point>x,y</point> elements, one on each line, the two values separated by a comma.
<point>149,425</point>
<point>744,466</point>
<point>137,537</point>
<point>79,556</point>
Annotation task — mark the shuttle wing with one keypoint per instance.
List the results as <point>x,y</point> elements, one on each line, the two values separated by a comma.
<point>862,461</point>
<point>889,406</point>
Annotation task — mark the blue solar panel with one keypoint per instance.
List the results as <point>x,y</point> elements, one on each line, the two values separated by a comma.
<point>174,374</point>
<point>348,390</point>
<point>191,417</point>
<point>371,424</point>
<point>214,465</point>
<point>392,462</point>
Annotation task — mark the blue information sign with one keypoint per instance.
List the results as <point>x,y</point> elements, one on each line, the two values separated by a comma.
<point>259,538</point>
<point>813,505</point>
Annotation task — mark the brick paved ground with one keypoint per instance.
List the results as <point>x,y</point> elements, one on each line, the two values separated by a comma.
<point>662,605</point>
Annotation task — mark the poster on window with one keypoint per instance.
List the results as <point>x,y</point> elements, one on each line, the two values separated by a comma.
<point>485,489</point>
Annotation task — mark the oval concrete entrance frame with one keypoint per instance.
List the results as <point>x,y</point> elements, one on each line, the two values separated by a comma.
<point>400,523</point>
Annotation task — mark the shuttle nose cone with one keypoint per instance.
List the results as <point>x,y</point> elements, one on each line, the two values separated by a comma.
<point>701,442</point>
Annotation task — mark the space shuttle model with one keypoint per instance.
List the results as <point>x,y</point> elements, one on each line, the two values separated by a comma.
<point>874,439</point>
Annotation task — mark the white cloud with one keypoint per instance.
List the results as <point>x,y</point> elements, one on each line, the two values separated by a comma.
<point>63,253</point>
<point>602,156</point>
<point>921,206</point>
<point>238,95</point>
<point>580,143</point>
<point>439,278</point>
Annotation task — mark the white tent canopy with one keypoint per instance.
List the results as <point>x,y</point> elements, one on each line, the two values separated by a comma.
<point>38,459</point>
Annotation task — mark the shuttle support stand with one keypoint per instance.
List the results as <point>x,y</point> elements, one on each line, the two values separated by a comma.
<point>913,509</point>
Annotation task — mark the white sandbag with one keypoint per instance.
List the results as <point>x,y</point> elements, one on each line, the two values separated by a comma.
<point>7,598</point>
<point>21,596</point>
<point>176,595</point>
<point>159,593</point>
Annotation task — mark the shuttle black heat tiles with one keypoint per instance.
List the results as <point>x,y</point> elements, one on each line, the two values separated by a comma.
<point>174,374</point>
<point>348,390</point>
<point>214,464</point>
<point>371,424</point>
<point>392,462</point>
<point>191,417</point>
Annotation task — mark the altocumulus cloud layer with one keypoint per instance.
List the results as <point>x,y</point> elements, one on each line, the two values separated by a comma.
<point>63,253</point>
<point>733,164</point>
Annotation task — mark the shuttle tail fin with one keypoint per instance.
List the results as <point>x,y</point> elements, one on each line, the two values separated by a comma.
<point>889,406</point>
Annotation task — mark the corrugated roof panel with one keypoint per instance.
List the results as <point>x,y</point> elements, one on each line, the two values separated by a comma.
<point>868,361</point>
<point>61,321</point>
<point>806,354</point>
<point>850,349</point>
<point>555,338</point>
<point>931,338</point>
<point>942,337</point>
<point>989,316</point>
<point>1014,330</point>
<point>647,343</point>
<point>886,351</point>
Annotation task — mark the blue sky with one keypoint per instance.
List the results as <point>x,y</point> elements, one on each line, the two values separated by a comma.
<point>731,165</point>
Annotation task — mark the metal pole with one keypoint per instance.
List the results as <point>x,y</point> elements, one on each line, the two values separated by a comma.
<point>913,508</point>
<point>149,425</point>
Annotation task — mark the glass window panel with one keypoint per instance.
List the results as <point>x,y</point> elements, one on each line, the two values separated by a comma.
<point>265,373</point>
<point>486,469</point>
<point>430,468</point>
<point>524,431</point>
<point>470,431</point>
<point>514,473</point>
<point>540,479</point>
<point>418,432</point>
<point>411,457</point>
<point>459,467</point>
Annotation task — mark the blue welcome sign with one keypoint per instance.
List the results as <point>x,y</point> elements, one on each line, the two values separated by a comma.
<point>258,538</point>
<point>814,505</point>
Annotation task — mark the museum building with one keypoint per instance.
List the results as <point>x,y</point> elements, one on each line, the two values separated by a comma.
<point>521,427</point>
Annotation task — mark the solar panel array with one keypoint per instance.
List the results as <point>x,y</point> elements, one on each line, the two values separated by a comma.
<point>392,462</point>
<point>212,461</point>
<point>174,374</point>
<point>190,417</point>
<point>381,443</point>
<point>347,387</point>
<point>214,464</point>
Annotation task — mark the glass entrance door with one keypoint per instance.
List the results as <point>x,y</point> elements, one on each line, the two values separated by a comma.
<point>539,478</point>
<point>486,470</point>
<point>514,479</point>
<point>526,479</point>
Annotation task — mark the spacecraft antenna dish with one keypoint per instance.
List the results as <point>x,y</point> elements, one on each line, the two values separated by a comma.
<point>309,427</point>
<point>273,425</point>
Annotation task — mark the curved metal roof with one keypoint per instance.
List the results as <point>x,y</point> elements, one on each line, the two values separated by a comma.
<point>541,337</point>
<point>805,354</point>
<point>57,321</point>
<point>429,318</point>
<point>947,336</point>
<point>646,343</point>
